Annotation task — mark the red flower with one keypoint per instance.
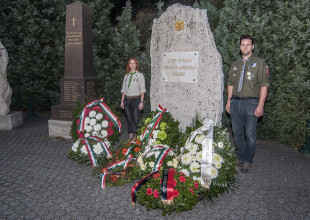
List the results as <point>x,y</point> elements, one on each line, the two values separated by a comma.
<point>160,181</point>
<point>137,149</point>
<point>110,131</point>
<point>155,193</point>
<point>182,174</point>
<point>175,193</point>
<point>78,121</point>
<point>110,124</point>
<point>149,191</point>
<point>106,118</point>
<point>174,183</point>
<point>156,176</point>
<point>96,108</point>
<point>114,178</point>
<point>138,142</point>
<point>182,179</point>
<point>103,170</point>
<point>195,185</point>
<point>124,151</point>
<point>192,191</point>
<point>87,111</point>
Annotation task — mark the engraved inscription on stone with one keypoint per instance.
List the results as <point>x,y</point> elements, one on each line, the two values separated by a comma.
<point>65,114</point>
<point>70,91</point>
<point>91,90</point>
<point>73,38</point>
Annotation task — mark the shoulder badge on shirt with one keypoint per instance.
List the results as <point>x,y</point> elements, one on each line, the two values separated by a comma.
<point>253,65</point>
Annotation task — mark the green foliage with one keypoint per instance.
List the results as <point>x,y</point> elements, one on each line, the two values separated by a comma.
<point>76,112</point>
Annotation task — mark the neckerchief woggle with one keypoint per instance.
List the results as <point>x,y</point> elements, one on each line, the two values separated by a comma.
<point>144,138</point>
<point>102,107</point>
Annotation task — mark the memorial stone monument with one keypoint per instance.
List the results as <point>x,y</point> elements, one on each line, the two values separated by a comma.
<point>8,120</point>
<point>79,82</point>
<point>187,76</point>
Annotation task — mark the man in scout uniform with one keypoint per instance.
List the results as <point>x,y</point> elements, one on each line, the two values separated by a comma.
<point>247,91</point>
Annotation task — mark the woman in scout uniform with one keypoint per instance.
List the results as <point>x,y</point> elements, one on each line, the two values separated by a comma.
<point>133,91</point>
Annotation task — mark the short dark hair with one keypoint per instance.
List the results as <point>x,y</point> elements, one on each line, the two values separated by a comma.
<point>243,37</point>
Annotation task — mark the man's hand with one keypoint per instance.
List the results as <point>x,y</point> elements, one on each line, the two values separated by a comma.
<point>228,107</point>
<point>259,111</point>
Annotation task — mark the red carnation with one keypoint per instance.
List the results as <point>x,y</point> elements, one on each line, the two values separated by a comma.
<point>124,151</point>
<point>195,185</point>
<point>182,174</point>
<point>110,131</point>
<point>114,178</point>
<point>192,191</point>
<point>156,194</point>
<point>96,108</point>
<point>110,124</point>
<point>175,193</point>
<point>78,121</point>
<point>182,179</point>
<point>87,111</point>
<point>106,118</point>
<point>174,183</point>
<point>149,191</point>
<point>156,176</point>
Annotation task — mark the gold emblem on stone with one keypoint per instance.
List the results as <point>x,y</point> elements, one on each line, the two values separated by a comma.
<point>179,25</point>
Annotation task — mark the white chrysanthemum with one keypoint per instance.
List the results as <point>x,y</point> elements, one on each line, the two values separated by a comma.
<point>75,145</point>
<point>98,149</point>
<point>175,164</point>
<point>170,153</point>
<point>186,159</point>
<point>87,135</point>
<point>199,138</point>
<point>170,163</point>
<point>217,158</point>
<point>84,150</point>
<point>220,145</point>
<point>185,171</point>
<point>87,120</point>
<point>188,146</point>
<point>175,160</point>
<point>151,140</point>
<point>92,114</point>
<point>199,156</point>
<point>89,129</point>
<point>157,154</point>
<point>140,161</point>
<point>194,167</point>
<point>214,172</point>
<point>99,116</point>
<point>143,167</point>
<point>93,121</point>
<point>193,158</point>
<point>97,127</point>
<point>155,133</point>
<point>151,164</point>
<point>218,165</point>
<point>193,149</point>
<point>204,128</point>
<point>104,133</point>
<point>105,124</point>
<point>182,148</point>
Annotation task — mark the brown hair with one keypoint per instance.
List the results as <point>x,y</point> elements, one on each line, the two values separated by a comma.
<point>137,63</point>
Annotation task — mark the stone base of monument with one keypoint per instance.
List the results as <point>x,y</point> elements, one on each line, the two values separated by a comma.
<point>11,120</point>
<point>58,128</point>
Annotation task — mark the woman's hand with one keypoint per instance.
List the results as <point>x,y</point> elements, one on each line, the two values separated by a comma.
<point>141,106</point>
<point>122,105</point>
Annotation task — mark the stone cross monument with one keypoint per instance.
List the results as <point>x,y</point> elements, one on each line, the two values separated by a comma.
<point>8,120</point>
<point>79,82</point>
<point>187,76</point>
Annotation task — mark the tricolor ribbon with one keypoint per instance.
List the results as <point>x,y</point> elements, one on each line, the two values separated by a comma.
<point>123,163</point>
<point>167,182</point>
<point>104,108</point>
<point>138,185</point>
<point>163,152</point>
<point>152,125</point>
<point>90,151</point>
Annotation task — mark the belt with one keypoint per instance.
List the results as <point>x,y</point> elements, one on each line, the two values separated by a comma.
<point>243,98</point>
<point>132,97</point>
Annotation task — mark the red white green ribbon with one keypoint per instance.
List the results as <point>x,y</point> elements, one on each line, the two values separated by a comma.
<point>103,145</point>
<point>123,163</point>
<point>163,152</point>
<point>90,151</point>
<point>152,125</point>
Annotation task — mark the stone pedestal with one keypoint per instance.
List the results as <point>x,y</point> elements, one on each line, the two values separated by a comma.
<point>11,121</point>
<point>58,128</point>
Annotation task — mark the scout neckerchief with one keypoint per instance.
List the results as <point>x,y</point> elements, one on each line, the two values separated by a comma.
<point>130,79</point>
<point>242,75</point>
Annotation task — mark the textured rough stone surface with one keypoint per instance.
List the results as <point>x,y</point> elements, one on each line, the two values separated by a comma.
<point>58,128</point>
<point>5,89</point>
<point>184,100</point>
<point>38,181</point>
<point>11,120</point>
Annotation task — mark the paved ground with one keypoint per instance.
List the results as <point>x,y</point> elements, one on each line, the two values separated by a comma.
<point>37,181</point>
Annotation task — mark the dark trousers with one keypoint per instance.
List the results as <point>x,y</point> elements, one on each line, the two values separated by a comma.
<point>132,113</point>
<point>244,123</point>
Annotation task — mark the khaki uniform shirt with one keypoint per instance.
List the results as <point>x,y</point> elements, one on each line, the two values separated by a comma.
<point>137,85</point>
<point>256,75</point>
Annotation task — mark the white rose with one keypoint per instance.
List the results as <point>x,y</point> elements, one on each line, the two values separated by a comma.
<point>75,145</point>
<point>105,124</point>
<point>98,149</point>
<point>97,127</point>
<point>84,150</point>
<point>89,129</point>
<point>104,133</point>
<point>87,135</point>
<point>99,116</point>
<point>94,133</point>
<point>93,121</point>
<point>87,119</point>
<point>92,114</point>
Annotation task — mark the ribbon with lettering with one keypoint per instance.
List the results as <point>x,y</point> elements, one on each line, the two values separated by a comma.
<point>138,185</point>
<point>152,125</point>
<point>105,172</point>
<point>167,183</point>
